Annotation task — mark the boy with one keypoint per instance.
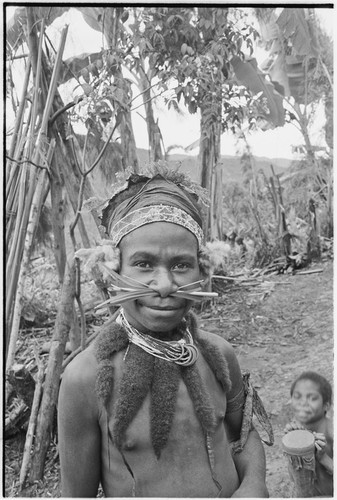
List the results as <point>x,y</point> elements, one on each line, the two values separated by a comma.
<point>151,409</point>
<point>311,396</point>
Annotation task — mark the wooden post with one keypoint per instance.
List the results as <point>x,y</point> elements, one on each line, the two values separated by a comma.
<point>32,424</point>
<point>54,369</point>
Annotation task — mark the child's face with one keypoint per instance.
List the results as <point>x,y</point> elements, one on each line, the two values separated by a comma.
<point>164,256</point>
<point>307,402</point>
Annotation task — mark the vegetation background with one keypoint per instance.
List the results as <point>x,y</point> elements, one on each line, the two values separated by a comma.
<point>70,141</point>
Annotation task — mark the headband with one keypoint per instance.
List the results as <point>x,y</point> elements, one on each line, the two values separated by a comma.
<point>158,200</point>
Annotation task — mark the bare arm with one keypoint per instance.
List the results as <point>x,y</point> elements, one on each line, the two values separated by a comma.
<point>324,447</point>
<point>251,466</point>
<point>78,430</point>
<point>250,462</point>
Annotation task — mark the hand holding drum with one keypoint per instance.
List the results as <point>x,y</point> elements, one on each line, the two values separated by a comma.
<point>299,448</point>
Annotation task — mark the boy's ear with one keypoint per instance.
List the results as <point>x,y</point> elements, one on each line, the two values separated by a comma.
<point>326,407</point>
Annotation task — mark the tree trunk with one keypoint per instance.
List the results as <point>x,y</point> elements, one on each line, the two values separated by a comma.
<point>152,126</point>
<point>211,174</point>
<point>128,143</point>
<point>111,28</point>
<point>57,219</point>
<point>31,425</point>
<point>54,369</point>
<point>329,123</point>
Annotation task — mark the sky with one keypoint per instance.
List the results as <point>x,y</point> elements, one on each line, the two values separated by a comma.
<point>183,130</point>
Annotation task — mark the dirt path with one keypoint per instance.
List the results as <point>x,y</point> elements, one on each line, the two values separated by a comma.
<point>289,331</point>
<point>279,328</point>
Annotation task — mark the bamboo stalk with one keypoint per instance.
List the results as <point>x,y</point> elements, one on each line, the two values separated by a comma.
<point>37,100</point>
<point>34,214</point>
<point>35,206</point>
<point>26,179</point>
<point>32,423</point>
<point>15,171</point>
<point>19,114</point>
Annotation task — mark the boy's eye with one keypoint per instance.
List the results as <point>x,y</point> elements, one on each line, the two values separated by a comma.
<point>182,266</point>
<point>143,265</point>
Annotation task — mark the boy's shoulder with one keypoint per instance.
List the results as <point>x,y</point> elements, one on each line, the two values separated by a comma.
<point>217,341</point>
<point>83,368</point>
<point>214,338</point>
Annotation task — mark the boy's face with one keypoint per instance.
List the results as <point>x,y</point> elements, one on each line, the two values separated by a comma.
<point>164,256</point>
<point>307,402</point>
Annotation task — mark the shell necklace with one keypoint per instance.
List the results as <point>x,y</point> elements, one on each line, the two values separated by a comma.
<point>182,352</point>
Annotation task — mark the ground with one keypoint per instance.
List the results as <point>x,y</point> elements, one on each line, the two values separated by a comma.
<point>279,325</point>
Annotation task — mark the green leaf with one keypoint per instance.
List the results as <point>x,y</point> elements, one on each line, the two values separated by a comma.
<point>293,25</point>
<point>251,77</point>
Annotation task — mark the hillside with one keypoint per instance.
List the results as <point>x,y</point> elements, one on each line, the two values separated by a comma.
<point>231,165</point>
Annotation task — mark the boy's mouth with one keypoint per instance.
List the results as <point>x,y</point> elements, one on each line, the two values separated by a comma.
<point>163,308</point>
<point>303,413</point>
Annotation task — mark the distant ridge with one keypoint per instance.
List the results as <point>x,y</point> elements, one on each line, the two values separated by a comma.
<point>232,171</point>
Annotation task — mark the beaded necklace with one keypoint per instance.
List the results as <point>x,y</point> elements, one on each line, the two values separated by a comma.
<point>182,352</point>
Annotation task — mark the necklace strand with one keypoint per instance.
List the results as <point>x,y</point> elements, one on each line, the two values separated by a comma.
<point>182,352</point>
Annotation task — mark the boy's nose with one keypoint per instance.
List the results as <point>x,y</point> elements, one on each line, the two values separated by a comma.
<point>163,283</point>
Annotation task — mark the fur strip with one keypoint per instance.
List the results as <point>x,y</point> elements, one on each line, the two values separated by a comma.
<point>212,354</point>
<point>192,324</point>
<point>216,361</point>
<point>201,402</point>
<point>135,384</point>
<point>164,392</point>
<point>104,381</point>
<point>113,338</point>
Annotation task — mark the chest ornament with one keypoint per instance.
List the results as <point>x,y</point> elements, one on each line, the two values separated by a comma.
<point>182,352</point>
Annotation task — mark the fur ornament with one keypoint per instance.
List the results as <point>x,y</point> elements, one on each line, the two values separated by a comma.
<point>135,384</point>
<point>144,373</point>
<point>112,339</point>
<point>213,255</point>
<point>213,356</point>
<point>164,392</point>
<point>216,361</point>
<point>201,402</point>
<point>105,253</point>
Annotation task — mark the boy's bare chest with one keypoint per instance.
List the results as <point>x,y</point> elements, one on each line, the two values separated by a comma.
<point>184,422</point>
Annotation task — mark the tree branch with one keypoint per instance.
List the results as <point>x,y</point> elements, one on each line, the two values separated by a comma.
<point>22,162</point>
<point>62,110</point>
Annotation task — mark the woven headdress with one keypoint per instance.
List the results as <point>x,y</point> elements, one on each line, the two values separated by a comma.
<point>157,200</point>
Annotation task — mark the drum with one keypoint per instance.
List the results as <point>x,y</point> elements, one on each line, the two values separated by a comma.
<point>299,449</point>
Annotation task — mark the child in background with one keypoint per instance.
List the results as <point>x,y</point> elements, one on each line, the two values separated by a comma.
<point>311,396</point>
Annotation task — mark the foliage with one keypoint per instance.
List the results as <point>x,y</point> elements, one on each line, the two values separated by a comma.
<point>244,211</point>
<point>192,46</point>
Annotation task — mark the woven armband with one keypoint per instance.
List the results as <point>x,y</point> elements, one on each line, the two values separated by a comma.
<point>237,402</point>
<point>252,404</point>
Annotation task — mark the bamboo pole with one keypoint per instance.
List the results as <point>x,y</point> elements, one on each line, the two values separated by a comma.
<point>34,215</point>
<point>36,205</point>
<point>27,180</point>
<point>15,172</point>
<point>19,115</point>
<point>32,423</point>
